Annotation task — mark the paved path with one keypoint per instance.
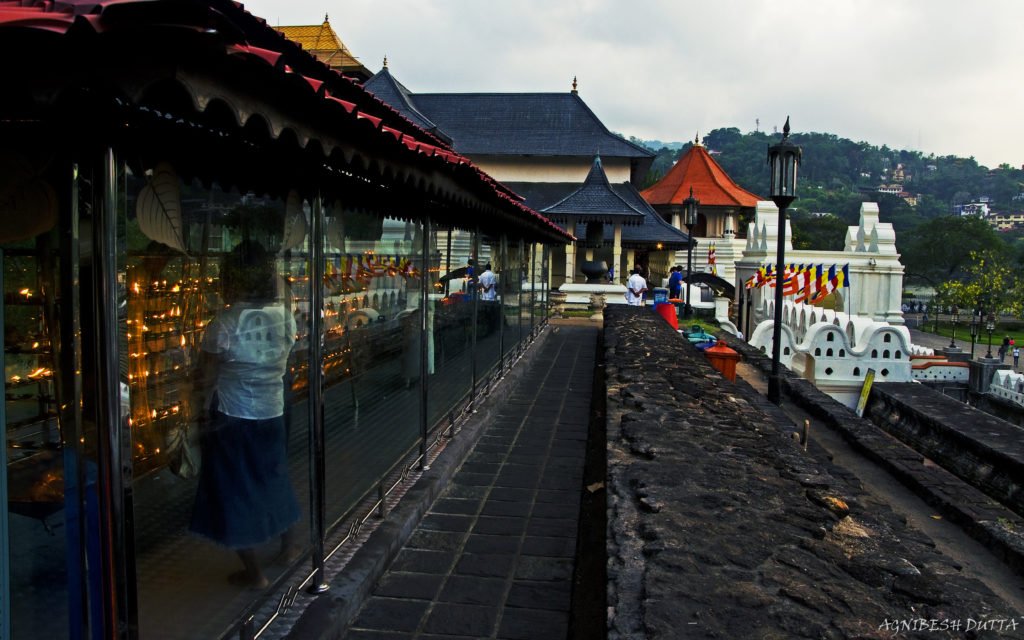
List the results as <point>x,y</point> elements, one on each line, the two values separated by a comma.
<point>494,557</point>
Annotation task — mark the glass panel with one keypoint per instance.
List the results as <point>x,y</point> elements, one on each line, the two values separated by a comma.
<point>488,313</point>
<point>371,350</point>
<point>215,326</point>
<point>452,331</point>
<point>512,269</point>
<point>43,476</point>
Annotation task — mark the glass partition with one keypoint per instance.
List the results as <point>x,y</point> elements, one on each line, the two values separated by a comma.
<point>50,520</point>
<point>512,270</point>
<point>488,312</point>
<point>451,334</point>
<point>372,350</point>
<point>215,328</point>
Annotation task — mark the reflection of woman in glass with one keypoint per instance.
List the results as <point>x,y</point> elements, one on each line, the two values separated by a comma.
<point>245,497</point>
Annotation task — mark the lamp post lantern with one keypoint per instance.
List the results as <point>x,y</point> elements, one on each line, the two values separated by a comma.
<point>974,332</point>
<point>783,158</point>
<point>954,317</point>
<point>690,205</point>
<point>990,326</point>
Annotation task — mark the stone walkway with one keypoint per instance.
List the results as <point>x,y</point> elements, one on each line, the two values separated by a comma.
<point>494,556</point>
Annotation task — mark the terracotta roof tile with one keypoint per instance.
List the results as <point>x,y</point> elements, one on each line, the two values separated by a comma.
<point>711,184</point>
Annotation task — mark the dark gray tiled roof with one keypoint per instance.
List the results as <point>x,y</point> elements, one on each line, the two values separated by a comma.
<point>540,195</point>
<point>595,201</point>
<point>541,124</point>
<point>388,89</point>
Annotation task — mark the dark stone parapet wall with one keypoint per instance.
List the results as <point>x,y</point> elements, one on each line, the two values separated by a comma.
<point>719,525</point>
<point>983,450</point>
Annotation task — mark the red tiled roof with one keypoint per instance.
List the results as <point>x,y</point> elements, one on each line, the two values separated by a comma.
<point>711,184</point>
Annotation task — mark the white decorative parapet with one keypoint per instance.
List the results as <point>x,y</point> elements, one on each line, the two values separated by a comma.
<point>933,368</point>
<point>1008,385</point>
<point>837,342</point>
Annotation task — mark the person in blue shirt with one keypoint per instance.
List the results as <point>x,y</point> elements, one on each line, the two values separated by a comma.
<point>675,283</point>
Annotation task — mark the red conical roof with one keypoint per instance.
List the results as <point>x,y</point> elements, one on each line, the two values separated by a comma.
<point>711,184</point>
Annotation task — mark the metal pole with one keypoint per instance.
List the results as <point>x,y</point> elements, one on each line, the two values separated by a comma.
<point>503,253</point>
<point>687,309</point>
<point>317,440</point>
<point>475,249</point>
<point>424,329</point>
<point>775,379</point>
<point>5,567</point>
<point>115,472</point>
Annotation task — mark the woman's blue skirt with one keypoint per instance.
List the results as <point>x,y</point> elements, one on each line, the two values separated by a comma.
<point>245,496</point>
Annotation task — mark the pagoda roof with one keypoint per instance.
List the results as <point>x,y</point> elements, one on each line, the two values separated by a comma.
<point>595,201</point>
<point>324,44</point>
<point>538,124</point>
<point>651,231</point>
<point>711,184</point>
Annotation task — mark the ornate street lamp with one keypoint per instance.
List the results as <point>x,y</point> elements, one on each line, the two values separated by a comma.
<point>690,205</point>
<point>783,159</point>
<point>990,326</point>
<point>974,332</point>
<point>955,317</point>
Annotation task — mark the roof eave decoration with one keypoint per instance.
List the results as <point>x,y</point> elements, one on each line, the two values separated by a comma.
<point>308,86</point>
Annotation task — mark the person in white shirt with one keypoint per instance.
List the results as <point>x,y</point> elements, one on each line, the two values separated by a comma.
<point>488,284</point>
<point>636,287</point>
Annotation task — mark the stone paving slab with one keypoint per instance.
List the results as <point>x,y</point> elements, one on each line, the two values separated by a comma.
<point>494,556</point>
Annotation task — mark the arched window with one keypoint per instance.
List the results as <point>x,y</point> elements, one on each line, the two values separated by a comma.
<point>842,353</point>
<point>830,337</point>
<point>829,353</point>
<point>856,371</point>
<point>817,351</point>
<point>887,337</point>
<point>874,353</point>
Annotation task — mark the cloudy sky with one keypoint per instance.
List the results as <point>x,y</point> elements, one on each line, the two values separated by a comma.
<point>940,76</point>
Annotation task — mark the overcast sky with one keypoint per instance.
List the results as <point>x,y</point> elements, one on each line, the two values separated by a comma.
<point>939,76</point>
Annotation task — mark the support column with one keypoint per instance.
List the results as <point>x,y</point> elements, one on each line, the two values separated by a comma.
<point>570,262</point>
<point>617,252</point>
<point>630,260</point>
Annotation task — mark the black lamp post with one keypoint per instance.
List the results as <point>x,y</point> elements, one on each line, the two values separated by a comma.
<point>974,332</point>
<point>783,159</point>
<point>690,205</point>
<point>990,326</point>
<point>955,317</point>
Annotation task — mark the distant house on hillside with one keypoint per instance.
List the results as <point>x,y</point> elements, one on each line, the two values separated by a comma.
<point>1006,221</point>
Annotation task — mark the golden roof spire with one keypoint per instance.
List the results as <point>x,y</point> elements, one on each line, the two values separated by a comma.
<point>696,140</point>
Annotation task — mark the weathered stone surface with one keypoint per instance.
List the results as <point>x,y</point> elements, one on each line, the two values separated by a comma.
<point>720,526</point>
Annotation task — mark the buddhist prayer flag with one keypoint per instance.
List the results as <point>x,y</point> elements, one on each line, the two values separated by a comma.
<point>712,260</point>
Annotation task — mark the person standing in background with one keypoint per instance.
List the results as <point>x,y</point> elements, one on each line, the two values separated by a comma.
<point>636,287</point>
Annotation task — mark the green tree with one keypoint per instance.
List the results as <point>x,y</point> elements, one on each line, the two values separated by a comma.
<point>941,249</point>
<point>987,282</point>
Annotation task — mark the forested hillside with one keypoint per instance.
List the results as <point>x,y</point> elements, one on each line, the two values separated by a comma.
<point>837,175</point>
